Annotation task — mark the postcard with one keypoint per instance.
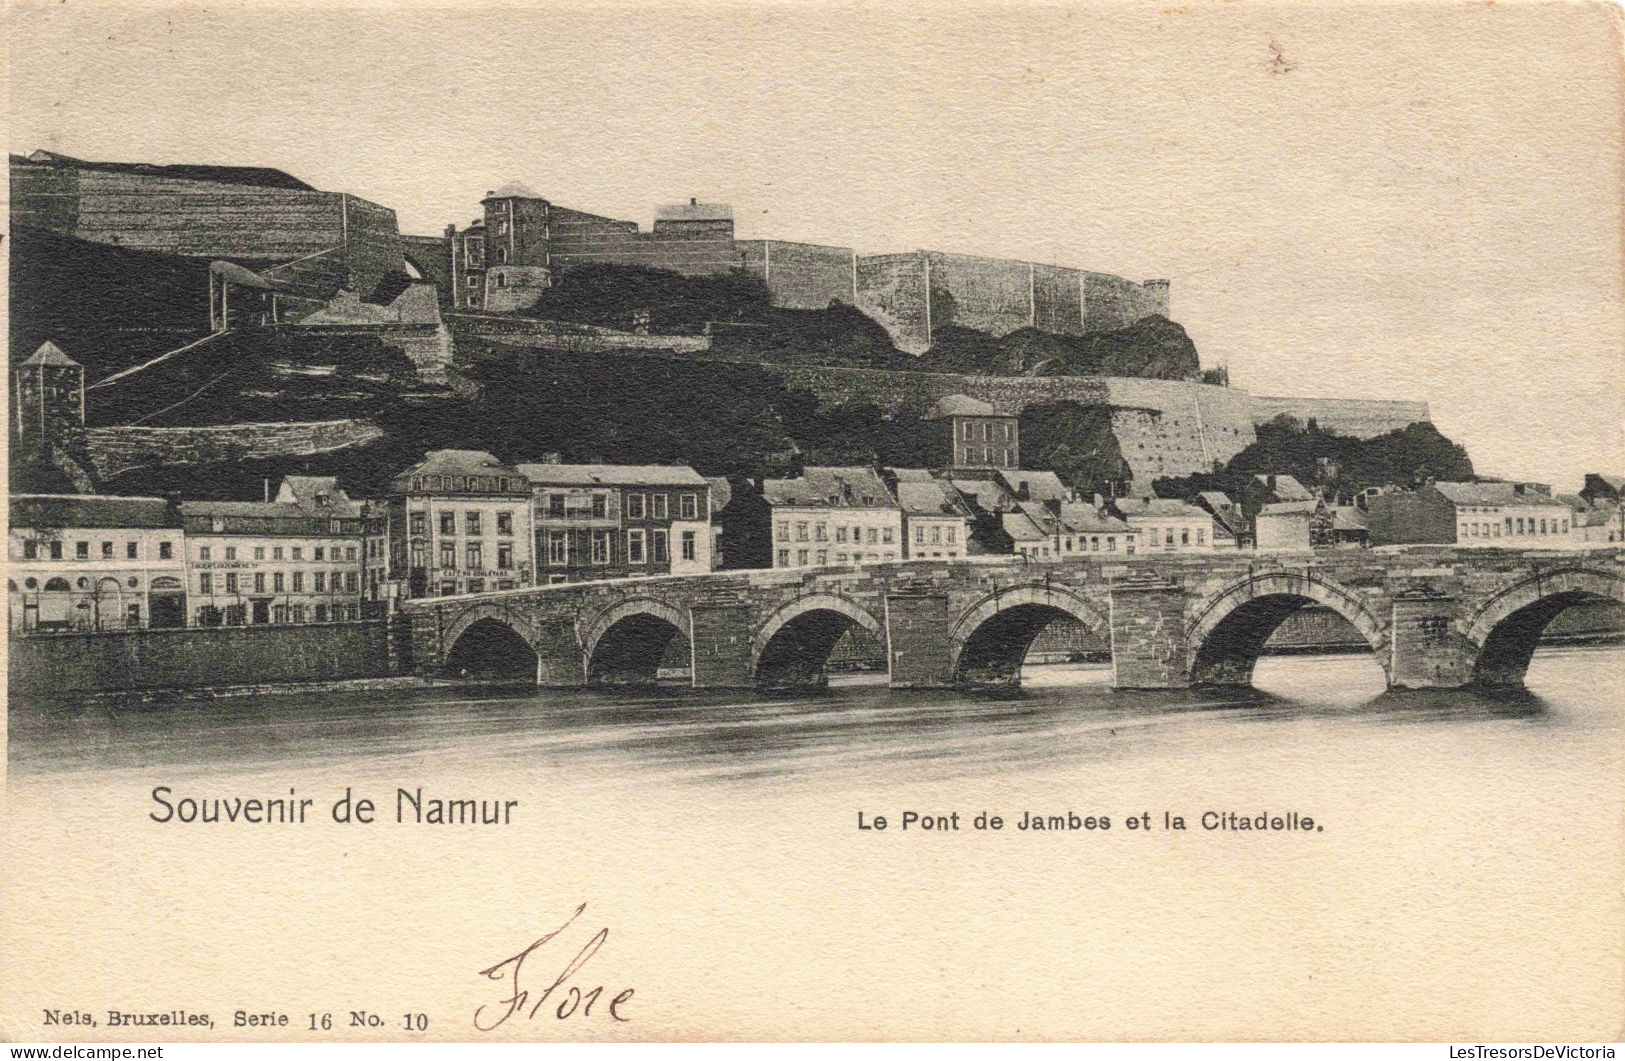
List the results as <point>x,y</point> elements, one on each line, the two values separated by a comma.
<point>814,522</point>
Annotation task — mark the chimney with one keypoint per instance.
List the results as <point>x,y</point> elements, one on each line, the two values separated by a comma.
<point>693,201</point>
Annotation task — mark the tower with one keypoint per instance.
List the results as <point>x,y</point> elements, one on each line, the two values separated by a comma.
<point>50,397</point>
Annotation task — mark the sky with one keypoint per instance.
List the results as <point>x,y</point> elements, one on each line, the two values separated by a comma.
<point>1414,201</point>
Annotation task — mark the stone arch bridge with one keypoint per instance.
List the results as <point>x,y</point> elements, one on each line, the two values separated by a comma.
<point>1434,617</point>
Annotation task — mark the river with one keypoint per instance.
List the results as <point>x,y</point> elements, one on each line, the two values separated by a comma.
<point>1463,879</point>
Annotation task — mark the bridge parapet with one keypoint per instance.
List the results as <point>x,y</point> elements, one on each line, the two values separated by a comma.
<point>1430,615</point>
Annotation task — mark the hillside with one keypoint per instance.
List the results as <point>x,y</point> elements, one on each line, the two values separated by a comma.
<point>1154,348</point>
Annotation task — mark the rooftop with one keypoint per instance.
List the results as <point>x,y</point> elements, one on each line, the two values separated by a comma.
<point>50,354</point>
<point>694,210</point>
<point>514,190</point>
<point>90,510</point>
<point>1285,487</point>
<point>830,487</point>
<point>1041,486</point>
<point>1493,493</point>
<point>1289,508</point>
<point>611,475</point>
<point>259,176</point>
<point>960,405</point>
<point>1159,506</point>
<point>927,498</point>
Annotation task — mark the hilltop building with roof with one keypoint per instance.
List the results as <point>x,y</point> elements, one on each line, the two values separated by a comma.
<point>979,436</point>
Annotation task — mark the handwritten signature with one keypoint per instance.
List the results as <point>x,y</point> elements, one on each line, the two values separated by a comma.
<point>570,999</point>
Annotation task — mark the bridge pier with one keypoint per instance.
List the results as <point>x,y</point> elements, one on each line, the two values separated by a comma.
<point>1149,646</point>
<point>721,645</point>
<point>560,663</point>
<point>918,649</point>
<point>1426,650</point>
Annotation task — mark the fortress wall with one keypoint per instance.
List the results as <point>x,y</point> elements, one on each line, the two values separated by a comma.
<point>992,295</point>
<point>1347,416</point>
<point>119,449</point>
<point>431,255</point>
<point>800,275</point>
<point>694,248</point>
<point>891,289</point>
<point>1058,299</point>
<point>204,218</point>
<point>1112,302</point>
<point>372,243</point>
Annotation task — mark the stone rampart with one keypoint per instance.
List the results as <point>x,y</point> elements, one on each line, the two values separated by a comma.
<point>114,450</point>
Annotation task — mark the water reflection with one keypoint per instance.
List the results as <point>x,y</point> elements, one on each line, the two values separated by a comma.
<point>1065,714</point>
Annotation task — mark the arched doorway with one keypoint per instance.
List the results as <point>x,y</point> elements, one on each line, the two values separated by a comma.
<point>55,605</point>
<point>491,650</point>
<point>794,646</point>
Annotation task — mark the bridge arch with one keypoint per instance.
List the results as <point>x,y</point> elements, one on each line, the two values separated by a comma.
<point>1504,630</point>
<point>489,640</point>
<point>626,643</point>
<point>793,646</point>
<point>1231,626</point>
<point>991,638</point>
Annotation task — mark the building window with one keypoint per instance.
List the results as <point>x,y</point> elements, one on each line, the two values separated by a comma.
<point>660,548</point>
<point>476,585</point>
<point>634,547</point>
<point>471,523</point>
<point>872,537</point>
<point>689,547</point>
<point>919,534</point>
<point>1009,433</point>
<point>600,547</point>
<point>821,558</point>
<point>784,530</point>
<point>299,582</point>
<point>473,555</point>
<point>784,558</point>
<point>659,505</point>
<point>352,582</point>
<point>448,555</point>
<point>558,548</point>
<point>820,533</point>
<point>259,552</point>
<point>318,553</point>
<point>276,552</point>
<point>505,557</point>
<point>30,549</point>
<point>600,506</point>
<point>801,558</point>
<point>970,456</point>
<point>952,532</point>
<point>1184,536</point>
<point>688,506</point>
<point>298,552</point>
<point>276,582</point>
<point>132,551</point>
<point>1201,535</point>
<point>82,550</point>
<point>840,535</point>
<point>202,552</point>
<point>886,535</point>
<point>634,506</point>
<point>416,524</point>
<point>448,523</point>
<point>321,582</point>
<point>966,431</point>
<point>349,552</point>
<point>205,584</point>
<point>801,532</point>
<point>56,550</point>
<point>504,522</point>
<point>936,537</point>
<point>107,550</point>
<point>259,582</point>
<point>555,506</point>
